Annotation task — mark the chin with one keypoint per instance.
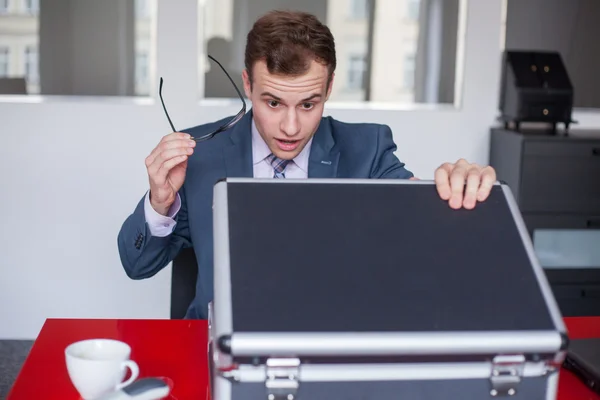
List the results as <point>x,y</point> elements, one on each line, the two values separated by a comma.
<point>286,155</point>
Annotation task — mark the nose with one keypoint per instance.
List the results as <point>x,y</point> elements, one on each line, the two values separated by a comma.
<point>290,125</point>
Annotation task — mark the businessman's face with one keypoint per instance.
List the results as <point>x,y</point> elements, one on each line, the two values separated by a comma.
<point>287,110</point>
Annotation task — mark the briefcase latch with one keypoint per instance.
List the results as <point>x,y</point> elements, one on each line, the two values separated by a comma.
<point>507,371</point>
<point>282,378</point>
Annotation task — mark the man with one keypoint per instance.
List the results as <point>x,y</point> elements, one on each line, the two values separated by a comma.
<point>290,62</point>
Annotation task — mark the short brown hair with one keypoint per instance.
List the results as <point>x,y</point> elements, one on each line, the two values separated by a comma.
<point>288,41</point>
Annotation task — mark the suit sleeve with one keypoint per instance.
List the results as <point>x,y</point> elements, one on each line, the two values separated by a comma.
<point>386,165</point>
<point>144,255</point>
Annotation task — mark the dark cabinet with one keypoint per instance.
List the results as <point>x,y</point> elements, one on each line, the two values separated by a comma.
<point>556,182</point>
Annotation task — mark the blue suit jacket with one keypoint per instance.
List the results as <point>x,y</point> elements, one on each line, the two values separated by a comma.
<point>339,150</point>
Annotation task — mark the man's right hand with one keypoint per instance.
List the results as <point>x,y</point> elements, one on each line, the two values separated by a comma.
<point>166,167</point>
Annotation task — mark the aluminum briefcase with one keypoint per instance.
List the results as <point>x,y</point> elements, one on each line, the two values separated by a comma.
<point>376,289</point>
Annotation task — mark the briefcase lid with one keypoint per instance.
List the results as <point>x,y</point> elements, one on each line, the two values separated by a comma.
<point>379,267</point>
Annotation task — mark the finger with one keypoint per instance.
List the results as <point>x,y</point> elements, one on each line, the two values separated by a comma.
<point>473,182</point>
<point>457,185</point>
<point>167,138</point>
<point>488,178</point>
<point>169,142</point>
<point>166,155</point>
<point>162,158</point>
<point>442,181</point>
<point>167,166</point>
<point>177,135</point>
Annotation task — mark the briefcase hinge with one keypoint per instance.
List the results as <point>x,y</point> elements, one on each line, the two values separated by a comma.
<point>282,381</point>
<point>507,372</point>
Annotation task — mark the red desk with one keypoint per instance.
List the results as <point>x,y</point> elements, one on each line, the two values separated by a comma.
<point>177,349</point>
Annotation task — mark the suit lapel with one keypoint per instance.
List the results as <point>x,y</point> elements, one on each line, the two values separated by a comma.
<point>238,153</point>
<point>324,158</point>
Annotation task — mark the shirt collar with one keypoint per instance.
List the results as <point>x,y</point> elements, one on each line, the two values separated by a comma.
<point>260,150</point>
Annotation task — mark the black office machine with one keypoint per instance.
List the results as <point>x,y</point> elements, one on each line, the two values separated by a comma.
<point>376,289</point>
<point>535,87</point>
<point>555,180</point>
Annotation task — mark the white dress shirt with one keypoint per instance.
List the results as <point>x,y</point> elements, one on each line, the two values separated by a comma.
<point>161,225</point>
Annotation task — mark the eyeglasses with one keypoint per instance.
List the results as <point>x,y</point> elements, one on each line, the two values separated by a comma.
<point>223,127</point>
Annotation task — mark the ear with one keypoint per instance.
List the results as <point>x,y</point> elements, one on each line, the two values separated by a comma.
<point>330,86</point>
<point>247,84</point>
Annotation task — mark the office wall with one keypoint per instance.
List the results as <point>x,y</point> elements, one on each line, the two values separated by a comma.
<point>73,169</point>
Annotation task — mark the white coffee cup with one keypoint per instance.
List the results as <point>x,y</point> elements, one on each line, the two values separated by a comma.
<point>98,366</point>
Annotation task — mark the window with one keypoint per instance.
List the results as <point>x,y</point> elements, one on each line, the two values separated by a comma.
<point>31,65</point>
<point>141,73</point>
<point>356,72</point>
<point>32,6</point>
<point>141,9</point>
<point>412,11</point>
<point>409,71</point>
<point>3,61</point>
<point>101,62</point>
<point>359,9</point>
<point>368,39</point>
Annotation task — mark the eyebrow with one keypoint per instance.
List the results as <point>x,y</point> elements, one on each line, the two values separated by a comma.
<point>313,96</point>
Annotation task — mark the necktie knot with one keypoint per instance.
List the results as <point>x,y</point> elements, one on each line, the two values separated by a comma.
<point>278,165</point>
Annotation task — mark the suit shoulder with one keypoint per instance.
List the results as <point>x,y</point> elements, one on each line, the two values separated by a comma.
<point>356,131</point>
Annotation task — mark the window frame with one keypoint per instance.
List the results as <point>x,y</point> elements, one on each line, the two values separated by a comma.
<point>5,52</point>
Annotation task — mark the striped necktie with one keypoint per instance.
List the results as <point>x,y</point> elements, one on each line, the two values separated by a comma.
<point>278,165</point>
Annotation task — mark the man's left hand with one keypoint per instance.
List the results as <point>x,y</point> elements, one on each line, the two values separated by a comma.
<point>450,181</point>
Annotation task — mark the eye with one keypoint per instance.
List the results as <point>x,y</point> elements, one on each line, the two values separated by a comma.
<point>307,106</point>
<point>273,103</point>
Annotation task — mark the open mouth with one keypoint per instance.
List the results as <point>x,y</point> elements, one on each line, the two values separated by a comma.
<point>287,145</point>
